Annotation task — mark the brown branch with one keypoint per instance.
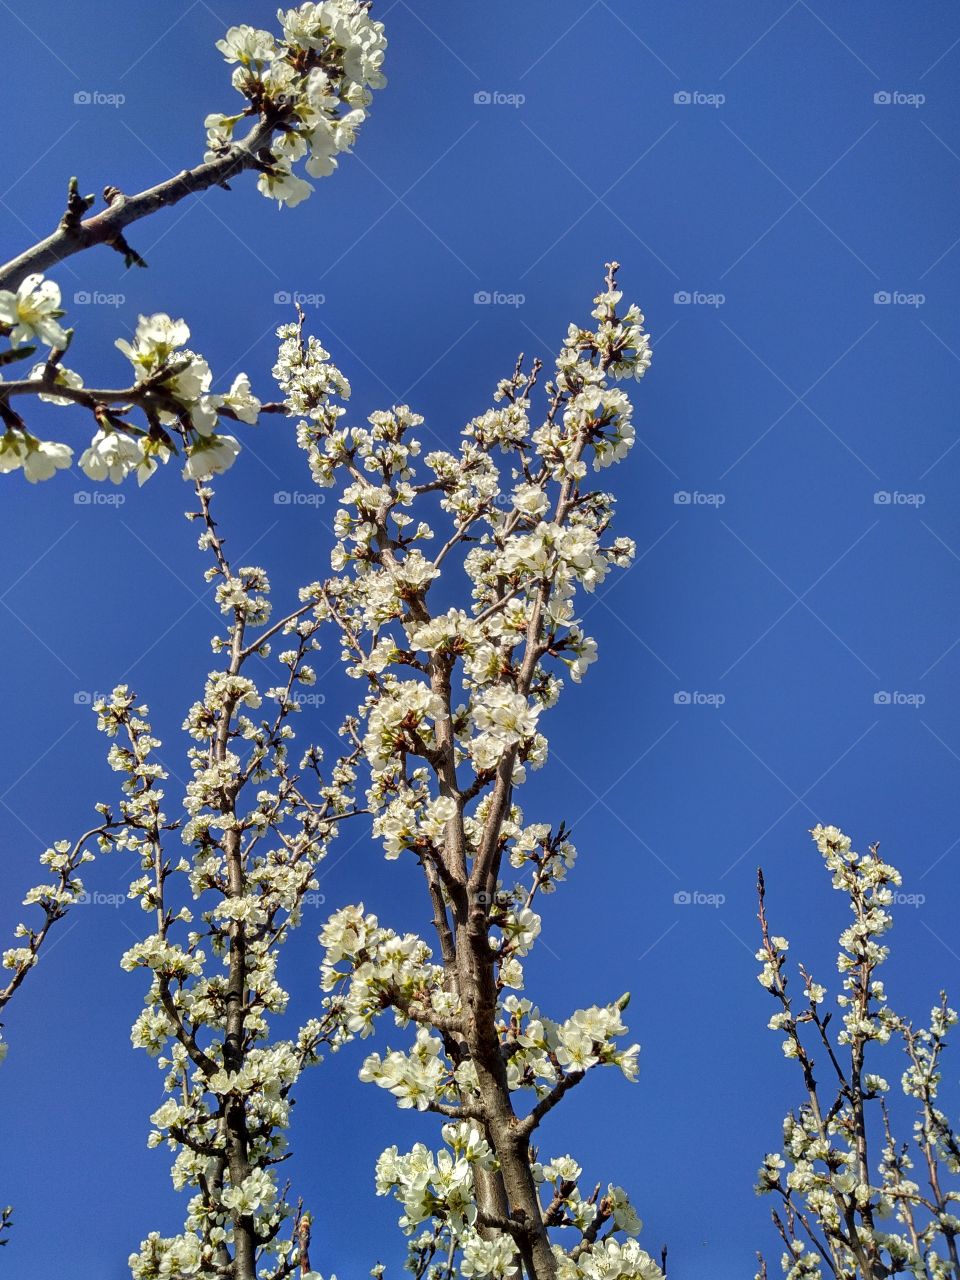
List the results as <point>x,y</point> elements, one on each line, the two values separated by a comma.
<point>547,1103</point>
<point>75,233</point>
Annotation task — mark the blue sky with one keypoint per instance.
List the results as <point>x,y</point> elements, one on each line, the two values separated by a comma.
<point>764,202</point>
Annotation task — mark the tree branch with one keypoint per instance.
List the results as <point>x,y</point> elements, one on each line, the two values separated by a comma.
<point>75,233</point>
<point>547,1103</point>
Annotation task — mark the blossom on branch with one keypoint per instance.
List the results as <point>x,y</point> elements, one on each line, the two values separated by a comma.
<point>850,1204</point>
<point>306,93</point>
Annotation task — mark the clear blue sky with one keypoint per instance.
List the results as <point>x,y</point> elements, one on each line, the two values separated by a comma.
<point>797,398</point>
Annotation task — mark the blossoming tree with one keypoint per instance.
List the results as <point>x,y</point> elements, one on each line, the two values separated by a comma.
<point>528,535</point>
<point>850,1204</point>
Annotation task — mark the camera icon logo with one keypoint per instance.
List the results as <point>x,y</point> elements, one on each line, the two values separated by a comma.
<point>681,698</point>
<point>682,298</point>
<point>682,898</point>
<point>483,97</point>
<point>482,298</point>
<point>282,498</point>
<point>83,97</point>
<point>683,98</point>
<point>882,98</point>
<point>283,297</point>
<point>882,298</point>
<point>881,698</point>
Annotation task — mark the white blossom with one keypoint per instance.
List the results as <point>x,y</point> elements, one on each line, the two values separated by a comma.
<point>33,311</point>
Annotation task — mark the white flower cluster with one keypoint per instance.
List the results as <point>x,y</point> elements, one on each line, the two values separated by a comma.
<point>397,721</point>
<point>309,90</point>
<point>440,1185</point>
<point>841,1172</point>
<point>162,363</point>
<point>31,312</point>
<point>609,1260</point>
<point>315,79</point>
<point>438,1190</point>
<point>541,1053</point>
<point>502,719</point>
<point>171,386</point>
<point>372,968</point>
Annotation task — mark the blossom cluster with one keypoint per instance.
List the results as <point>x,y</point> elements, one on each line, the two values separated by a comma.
<point>850,1199</point>
<point>316,78</point>
<point>307,91</point>
<point>171,387</point>
<point>438,1192</point>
